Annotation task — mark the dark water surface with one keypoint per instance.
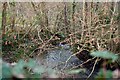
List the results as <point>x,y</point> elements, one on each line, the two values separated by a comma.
<point>55,60</point>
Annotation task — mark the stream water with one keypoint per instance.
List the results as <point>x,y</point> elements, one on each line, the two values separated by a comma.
<point>55,60</point>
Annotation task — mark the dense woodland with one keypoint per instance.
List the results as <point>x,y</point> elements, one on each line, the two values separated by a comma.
<point>90,30</point>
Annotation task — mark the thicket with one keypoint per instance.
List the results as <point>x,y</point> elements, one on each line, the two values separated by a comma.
<point>31,27</point>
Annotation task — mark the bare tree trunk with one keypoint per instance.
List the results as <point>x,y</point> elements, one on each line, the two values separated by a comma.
<point>13,22</point>
<point>73,11</point>
<point>44,17</point>
<point>4,17</point>
<point>65,17</point>
<point>118,44</point>
<point>119,23</point>
<point>72,21</point>
<point>84,20</point>
<point>91,14</point>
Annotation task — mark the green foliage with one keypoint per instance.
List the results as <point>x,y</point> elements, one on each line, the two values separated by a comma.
<point>74,50</point>
<point>61,36</point>
<point>22,70</point>
<point>45,34</point>
<point>76,71</point>
<point>0,19</point>
<point>105,54</point>
<point>6,71</point>
<point>0,68</point>
<point>2,53</point>
<point>74,5</point>
<point>19,67</point>
<point>108,74</point>
<point>12,4</point>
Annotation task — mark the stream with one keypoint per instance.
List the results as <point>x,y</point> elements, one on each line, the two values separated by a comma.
<point>55,60</point>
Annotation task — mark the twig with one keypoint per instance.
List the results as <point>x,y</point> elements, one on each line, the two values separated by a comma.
<point>92,69</point>
<point>83,63</point>
<point>39,36</point>
<point>44,44</point>
<point>57,65</point>
<point>70,58</point>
